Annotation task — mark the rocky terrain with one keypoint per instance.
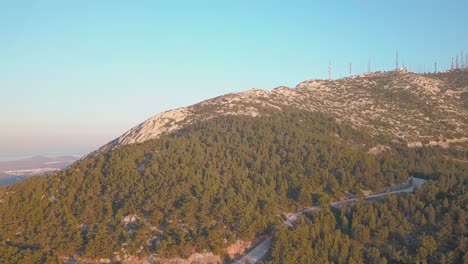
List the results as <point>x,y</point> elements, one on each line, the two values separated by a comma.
<point>415,109</point>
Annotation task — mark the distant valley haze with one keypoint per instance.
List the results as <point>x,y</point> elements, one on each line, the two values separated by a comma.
<point>16,170</point>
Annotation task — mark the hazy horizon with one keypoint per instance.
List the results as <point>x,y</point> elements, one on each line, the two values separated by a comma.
<point>27,155</point>
<point>75,75</point>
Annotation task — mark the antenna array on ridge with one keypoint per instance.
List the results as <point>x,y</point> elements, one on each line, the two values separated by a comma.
<point>455,65</point>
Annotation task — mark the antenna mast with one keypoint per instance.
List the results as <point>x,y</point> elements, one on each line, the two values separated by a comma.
<point>329,71</point>
<point>368,66</point>
<point>435,66</point>
<point>453,64</point>
<point>462,63</point>
<point>466,60</point>
<point>456,62</point>
<point>350,69</point>
<point>396,63</point>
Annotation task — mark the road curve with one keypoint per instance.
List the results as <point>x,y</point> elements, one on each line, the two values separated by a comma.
<point>257,253</point>
<point>261,249</point>
<point>416,182</point>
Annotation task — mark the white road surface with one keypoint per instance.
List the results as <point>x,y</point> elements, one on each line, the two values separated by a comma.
<point>257,253</point>
<point>261,249</point>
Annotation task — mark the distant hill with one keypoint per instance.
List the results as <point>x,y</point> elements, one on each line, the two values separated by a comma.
<point>17,170</point>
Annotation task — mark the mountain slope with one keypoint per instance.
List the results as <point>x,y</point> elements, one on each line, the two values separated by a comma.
<point>413,108</point>
<point>202,178</point>
<point>201,188</point>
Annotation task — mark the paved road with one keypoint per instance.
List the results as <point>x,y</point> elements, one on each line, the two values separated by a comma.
<point>292,218</point>
<point>262,249</point>
<point>416,182</point>
<point>257,253</point>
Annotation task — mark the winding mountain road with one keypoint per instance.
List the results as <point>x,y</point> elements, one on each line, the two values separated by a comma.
<point>261,249</point>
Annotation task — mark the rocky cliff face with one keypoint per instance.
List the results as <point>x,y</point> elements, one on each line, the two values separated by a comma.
<point>412,108</point>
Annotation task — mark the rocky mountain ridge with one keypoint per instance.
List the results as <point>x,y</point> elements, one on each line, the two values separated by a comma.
<point>415,109</point>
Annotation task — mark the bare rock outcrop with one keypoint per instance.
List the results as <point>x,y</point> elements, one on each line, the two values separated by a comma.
<point>406,106</point>
<point>196,258</point>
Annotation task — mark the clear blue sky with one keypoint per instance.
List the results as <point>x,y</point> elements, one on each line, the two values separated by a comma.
<point>75,74</point>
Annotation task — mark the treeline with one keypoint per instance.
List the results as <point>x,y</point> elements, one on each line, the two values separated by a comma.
<point>199,189</point>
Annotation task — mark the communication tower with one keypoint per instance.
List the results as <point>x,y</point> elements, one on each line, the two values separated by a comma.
<point>396,63</point>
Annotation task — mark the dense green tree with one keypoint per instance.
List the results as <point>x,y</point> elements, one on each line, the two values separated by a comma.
<point>230,178</point>
<point>387,230</point>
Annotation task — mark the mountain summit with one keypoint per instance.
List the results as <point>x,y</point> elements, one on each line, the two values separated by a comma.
<point>416,109</point>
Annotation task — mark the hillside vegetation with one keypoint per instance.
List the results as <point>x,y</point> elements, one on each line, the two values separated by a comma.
<point>201,178</point>
<point>199,189</point>
<point>426,227</point>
